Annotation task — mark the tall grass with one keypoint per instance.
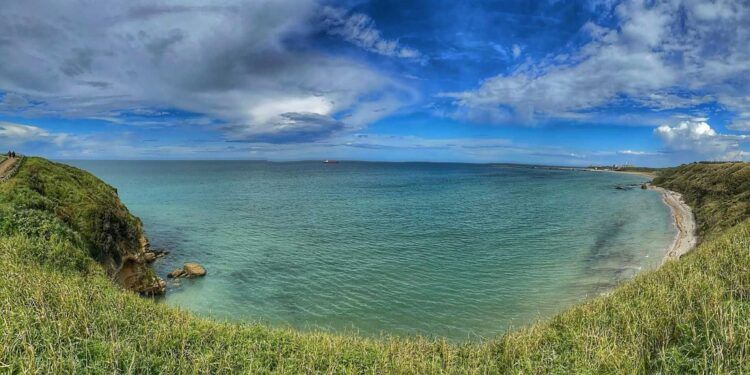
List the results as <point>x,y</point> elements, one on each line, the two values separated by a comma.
<point>719,193</point>
<point>60,313</point>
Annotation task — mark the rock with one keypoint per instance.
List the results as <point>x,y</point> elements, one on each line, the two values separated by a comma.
<point>160,253</point>
<point>136,276</point>
<point>176,273</point>
<point>644,186</point>
<point>149,256</point>
<point>161,286</point>
<point>194,270</point>
<point>189,270</point>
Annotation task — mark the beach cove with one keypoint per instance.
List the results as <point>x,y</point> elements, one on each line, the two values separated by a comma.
<point>662,311</point>
<point>456,250</point>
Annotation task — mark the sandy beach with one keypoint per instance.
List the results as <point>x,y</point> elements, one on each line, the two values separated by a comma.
<point>685,239</point>
<point>640,173</point>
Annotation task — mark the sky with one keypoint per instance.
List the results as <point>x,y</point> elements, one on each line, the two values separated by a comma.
<point>653,83</point>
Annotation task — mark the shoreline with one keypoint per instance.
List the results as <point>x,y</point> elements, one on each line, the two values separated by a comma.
<point>639,173</point>
<point>682,216</point>
<point>683,219</point>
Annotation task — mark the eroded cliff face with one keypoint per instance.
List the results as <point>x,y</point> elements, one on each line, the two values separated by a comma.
<point>133,270</point>
<point>89,211</point>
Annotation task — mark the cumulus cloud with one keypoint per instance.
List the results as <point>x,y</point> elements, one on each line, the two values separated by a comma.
<point>635,153</point>
<point>232,62</point>
<point>360,30</point>
<point>663,54</point>
<point>697,137</point>
<point>14,135</point>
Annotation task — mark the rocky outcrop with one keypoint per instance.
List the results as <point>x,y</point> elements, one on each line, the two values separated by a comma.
<point>151,255</point>
<point>135,275</point>
<point>188,270</point>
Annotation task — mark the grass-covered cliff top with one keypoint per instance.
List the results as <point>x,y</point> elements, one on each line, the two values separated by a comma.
<point>62,203</point>
<point>718,192</point>
<point>60,312</point>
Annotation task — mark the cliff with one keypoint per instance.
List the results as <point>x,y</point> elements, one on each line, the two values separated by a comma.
<point>50,199</point>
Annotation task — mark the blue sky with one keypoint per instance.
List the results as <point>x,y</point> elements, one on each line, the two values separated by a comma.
<point>551,82</point>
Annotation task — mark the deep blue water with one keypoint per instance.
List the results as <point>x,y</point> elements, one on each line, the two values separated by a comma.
<point>456,250</point>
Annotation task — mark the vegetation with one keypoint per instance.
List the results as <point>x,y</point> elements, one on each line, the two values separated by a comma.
<point>60,312</point>
<point>719,193</point>
<point>57,201</point>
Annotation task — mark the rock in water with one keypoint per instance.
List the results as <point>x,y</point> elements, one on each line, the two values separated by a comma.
<point>194,270</point>
<point>188,270</point>
<point>149,256</point>
<point>176,273</point>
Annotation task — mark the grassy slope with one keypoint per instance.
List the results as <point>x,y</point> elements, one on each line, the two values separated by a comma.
<point>718,192</point>
<point>59,313</point>
<point>55,200</point>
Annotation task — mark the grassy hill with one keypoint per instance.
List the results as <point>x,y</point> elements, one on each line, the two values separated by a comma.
<point>718,192</point>
<point>67,205</point>
<point>60,312</point>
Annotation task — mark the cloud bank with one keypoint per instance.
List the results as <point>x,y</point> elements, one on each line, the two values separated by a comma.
<point>243,65</point>
<point>660,55</point>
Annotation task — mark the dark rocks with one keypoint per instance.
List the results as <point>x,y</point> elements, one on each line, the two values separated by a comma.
<point>152,255</point>
<point>626,187</point>
<point>176,273</point>
<point>138,277</point>
<point>149,256</point>
<point>158,287</point>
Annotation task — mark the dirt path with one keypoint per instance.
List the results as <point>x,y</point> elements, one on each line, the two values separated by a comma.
<point>686,239</point>
<point>6,165</point>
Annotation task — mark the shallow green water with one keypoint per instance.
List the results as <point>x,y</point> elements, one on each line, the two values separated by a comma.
<point>454,250</point>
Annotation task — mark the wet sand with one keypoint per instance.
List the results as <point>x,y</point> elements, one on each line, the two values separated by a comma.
<point>685,239</point>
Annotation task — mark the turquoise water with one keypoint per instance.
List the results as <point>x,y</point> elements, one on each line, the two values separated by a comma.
<point>456,250</point>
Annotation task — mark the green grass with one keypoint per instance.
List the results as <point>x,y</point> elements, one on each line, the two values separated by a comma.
<point>719,193</point>
<point>55,200</point>
<point>60,312</point>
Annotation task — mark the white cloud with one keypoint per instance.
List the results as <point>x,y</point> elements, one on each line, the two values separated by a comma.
<point>740,123</point>
<point>696,136</point>
<point>14,135</point>
<point>359,29</point>
<point>226,61</point>
<point>635,153</point>
<point>516,50</point>
<point>662,55</point>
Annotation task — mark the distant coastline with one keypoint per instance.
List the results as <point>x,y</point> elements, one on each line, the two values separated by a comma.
<point>649,174</point>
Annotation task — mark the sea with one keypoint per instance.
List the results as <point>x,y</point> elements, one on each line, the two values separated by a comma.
<point>458,251</point>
